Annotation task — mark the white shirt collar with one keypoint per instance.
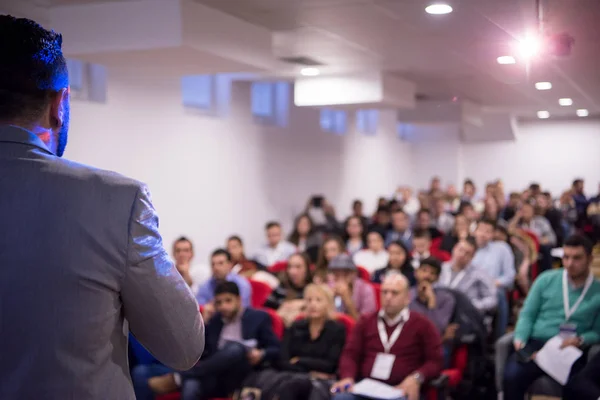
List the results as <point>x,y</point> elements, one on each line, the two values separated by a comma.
<point>402,316</point>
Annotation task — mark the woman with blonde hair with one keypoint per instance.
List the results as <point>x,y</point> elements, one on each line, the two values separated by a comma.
<point>310,353</point>
<point>312,346</point>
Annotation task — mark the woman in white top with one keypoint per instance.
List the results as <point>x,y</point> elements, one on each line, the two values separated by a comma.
<point>374,256</point>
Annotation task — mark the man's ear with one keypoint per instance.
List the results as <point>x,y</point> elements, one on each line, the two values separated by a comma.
<point>58,106</point>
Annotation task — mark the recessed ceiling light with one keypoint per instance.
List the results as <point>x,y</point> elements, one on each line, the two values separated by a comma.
<point>543,85</point>
<point>506,60</point>
<point>438,9</point>
<point>582,112</point>
<point>543,114</point>
<point>565,101</point>
<point>310,71</point>
<point>530,46</point>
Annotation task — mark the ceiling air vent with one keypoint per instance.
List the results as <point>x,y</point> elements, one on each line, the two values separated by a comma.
<point>300,60</point>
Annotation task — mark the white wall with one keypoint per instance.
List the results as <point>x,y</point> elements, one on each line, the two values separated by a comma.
<point>550,153</point>
<point>211,177</point>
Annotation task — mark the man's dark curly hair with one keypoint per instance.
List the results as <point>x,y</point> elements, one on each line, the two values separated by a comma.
<point>32,68</point>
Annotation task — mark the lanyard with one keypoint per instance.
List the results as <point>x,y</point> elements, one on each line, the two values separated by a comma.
<point>452,283</point>
<point>385,341</point>
<point>570,311</point>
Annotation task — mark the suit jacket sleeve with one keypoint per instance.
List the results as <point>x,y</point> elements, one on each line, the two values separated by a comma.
<point>159,306</point>
<point>267,339</point>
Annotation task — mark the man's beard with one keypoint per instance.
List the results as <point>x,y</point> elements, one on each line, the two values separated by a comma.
<point>63,134</point>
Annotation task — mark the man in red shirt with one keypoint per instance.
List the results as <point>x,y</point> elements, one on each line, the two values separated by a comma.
<point>394,346</point>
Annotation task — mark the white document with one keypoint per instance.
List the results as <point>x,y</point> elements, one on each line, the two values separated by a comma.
<point>555,361</point>
<point>373,389</point>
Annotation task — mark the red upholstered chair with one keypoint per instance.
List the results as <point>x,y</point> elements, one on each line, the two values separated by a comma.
<point>436,243</point>
<point>278,325</point>
<point>278,267</point>
<point>451,377</point>
<point>441,255</point>
<point>348,323</point>
<point>377,288</point>
<point>260,293</point>
<point>363,273</point>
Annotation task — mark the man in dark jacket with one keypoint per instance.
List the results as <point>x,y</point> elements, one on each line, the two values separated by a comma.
<point>237,341</point>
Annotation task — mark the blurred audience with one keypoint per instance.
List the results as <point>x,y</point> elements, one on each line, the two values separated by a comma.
<point>424,221</point>
<point>222,266</point>
<point>276,248</point>
<point>400,229</point>
<point>312,347</point>
<point>434,303</point>
<point>238,340</point>
<point>374,256</point>
<point>305,237</point>
<point>332,247</point>
<point>563,302</point>
<point>400,261</point>
<point>246,268</point>
<point>461,274</point>
<point>498,260</point>
<point>396,346</point>
<point>287,298</point>
<point>183,253</point>
<point>355,234</point>
<point>353,295</point>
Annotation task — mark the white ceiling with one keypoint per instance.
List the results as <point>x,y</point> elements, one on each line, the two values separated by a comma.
<point>448,56</point>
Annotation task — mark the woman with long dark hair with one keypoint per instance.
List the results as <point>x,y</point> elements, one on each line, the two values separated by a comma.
<point>331,248</point>
<point>287,297</point>
<point>400,261</point>
<point>354,235</point>
<point>305,237</point>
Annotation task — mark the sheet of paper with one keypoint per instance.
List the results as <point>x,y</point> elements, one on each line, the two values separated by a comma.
<point>373,389</point>
<point>555,361</point>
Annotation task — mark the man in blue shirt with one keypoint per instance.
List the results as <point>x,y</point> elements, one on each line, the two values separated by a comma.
<point>221,265</point>
<point>498,260</point>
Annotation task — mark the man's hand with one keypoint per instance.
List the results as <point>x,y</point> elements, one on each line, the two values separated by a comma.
<point>163,384</point>
<point>572,341</point>
<point>411,388</point>
<point>294,360</point>
<point>321,375</point>
<point>450,332</point>
<point>431,299</point>
<point>518,345</point>
<point>255,356</point>
<point>208,310</point>
<point>345,385</point>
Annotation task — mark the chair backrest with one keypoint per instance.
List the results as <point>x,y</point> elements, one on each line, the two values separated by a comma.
<point>260,293</point>
<point>348,323</point>
<point>363,273</point>
<point>278,267</point>
<point>377,289</point>
<point>276,321</point>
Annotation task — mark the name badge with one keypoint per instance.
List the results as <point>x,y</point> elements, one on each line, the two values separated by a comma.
<point>568,330</point>
<point>382,367</point>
